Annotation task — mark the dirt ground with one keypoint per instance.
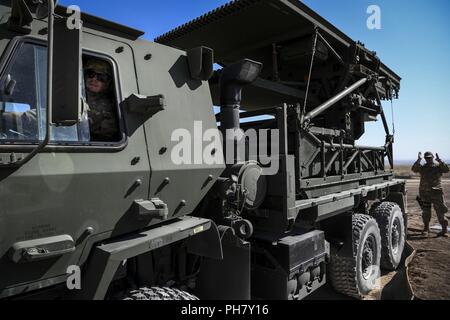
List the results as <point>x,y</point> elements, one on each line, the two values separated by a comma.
<point>430,270</point>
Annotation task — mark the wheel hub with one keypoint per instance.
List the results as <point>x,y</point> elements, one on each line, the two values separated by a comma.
<point>395,236</point>
<point>368,257</point>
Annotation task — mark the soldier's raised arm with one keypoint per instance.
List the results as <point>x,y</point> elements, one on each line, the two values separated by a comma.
<point>442,165</point>
<point>417,167</point>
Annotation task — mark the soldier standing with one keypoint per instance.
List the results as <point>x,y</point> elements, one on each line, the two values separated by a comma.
<point>430,191</point>
<point>102,115</point>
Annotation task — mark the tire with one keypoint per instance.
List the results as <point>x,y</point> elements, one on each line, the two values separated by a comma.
<point>356,273</point>
<point>156,293</point>
<point>393,234</point>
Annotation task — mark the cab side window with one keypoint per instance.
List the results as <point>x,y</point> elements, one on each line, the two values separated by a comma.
<point>101,100</point>
<point>21,95</point>
<point>23,101</point>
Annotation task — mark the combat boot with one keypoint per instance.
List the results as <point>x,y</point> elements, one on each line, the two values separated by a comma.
<point>444,232</point>
<point>426,231</point>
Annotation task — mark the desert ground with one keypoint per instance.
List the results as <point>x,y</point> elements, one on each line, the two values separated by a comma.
<point>430,270</point>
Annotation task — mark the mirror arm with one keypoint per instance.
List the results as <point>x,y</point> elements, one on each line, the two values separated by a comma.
<point>44,143</point>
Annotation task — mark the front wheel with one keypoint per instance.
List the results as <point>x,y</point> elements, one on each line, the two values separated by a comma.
<point>356,273</point>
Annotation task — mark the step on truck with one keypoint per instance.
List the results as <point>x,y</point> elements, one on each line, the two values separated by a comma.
<point>135,187</point>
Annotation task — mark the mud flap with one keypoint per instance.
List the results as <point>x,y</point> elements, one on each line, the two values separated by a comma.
<point>399,288</point>
<point>207,244</point>
<point>227,279</point>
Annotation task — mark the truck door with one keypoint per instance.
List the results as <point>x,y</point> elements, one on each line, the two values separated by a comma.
<point>187,117</point>
<point>79,188</point>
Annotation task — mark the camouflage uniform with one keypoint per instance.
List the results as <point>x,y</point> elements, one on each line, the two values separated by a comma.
<point>102,119</point>
<point>101,112</point>
<point>431,192</point>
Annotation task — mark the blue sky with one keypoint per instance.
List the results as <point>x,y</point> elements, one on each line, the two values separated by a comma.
<point>414,41</point>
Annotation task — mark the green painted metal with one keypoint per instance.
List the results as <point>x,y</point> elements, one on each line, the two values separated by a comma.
<point>106,257</point>
<point>70,189</point>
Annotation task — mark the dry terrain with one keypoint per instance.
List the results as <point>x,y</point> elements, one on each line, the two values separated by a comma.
<point>430,269</point>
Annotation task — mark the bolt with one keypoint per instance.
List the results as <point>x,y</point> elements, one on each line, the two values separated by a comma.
<point>120,49</point>
<point>135,161</point>
<point>148,56</point>
<point>162,150</point>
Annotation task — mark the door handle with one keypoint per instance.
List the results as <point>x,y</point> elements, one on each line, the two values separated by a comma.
<point>41,249</point>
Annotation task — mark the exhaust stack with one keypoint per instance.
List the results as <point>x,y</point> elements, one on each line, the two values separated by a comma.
<point>232,81</point>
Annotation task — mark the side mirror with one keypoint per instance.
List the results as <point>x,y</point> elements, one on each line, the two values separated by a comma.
<point>201,61</point>
<point>66,70</point>
<point>42,9</point>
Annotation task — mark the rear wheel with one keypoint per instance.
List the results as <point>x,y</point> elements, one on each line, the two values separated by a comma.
<point>356,272</point>
<point>392,227</point>
<point>156,293</point>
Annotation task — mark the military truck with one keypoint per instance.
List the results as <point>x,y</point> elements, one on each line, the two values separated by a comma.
<point>131,222</point>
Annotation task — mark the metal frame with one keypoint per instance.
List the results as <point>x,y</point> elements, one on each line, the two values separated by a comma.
<point>336,203</point>
<point>353,163</point>
<point>363,158</point>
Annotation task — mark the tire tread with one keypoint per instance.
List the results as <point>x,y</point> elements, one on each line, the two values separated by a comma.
<point>382,214</point>
<point>343,272</point>
<point>159,293</point>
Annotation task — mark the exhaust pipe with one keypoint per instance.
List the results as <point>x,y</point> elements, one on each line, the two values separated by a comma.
<point>232,80</point>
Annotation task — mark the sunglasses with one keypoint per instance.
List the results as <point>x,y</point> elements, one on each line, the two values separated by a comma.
<point>102,77</point>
